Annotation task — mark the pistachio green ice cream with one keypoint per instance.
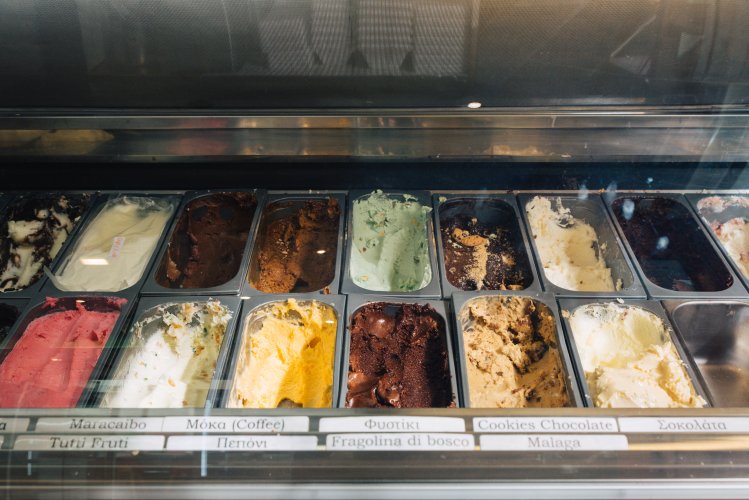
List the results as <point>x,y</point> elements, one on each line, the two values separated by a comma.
<point>390,247</point>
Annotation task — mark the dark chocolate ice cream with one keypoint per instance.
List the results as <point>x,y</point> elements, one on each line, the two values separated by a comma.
<point>483,246</point>
<point>208,242</point>
<point>296,246</point>
<point>398,358</point>
<point>667,242</point>
<point>32,232</point>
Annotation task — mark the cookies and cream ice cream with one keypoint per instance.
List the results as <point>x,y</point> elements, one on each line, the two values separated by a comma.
<point>32,233</point>
<point>568,248</point>
<point>629,359</point>
<point>171,356</point>
<point>512,354</point>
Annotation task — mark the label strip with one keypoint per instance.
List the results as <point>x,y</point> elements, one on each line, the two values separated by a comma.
<point>400,442</point>
<point>241,425</point>
<point>553,442</point>
<point>14,425</point>
<point>542,424</point>
<point>88,443</point>
<point>392,424</point>
<point>671,425</point>
<point>95,424</point>
<point>242,443</point>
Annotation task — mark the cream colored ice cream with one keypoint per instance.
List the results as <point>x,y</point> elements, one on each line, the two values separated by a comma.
<point>171,357</point>
<point>113,251</point>
<point>629,360</point>
<point>512,357</point>
<point>734,233</point>
<point>568,248</point>
<point>286,357</point>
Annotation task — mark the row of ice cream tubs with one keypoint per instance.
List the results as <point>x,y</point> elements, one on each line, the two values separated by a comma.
<point>252,242</point>
<point>479,349</point>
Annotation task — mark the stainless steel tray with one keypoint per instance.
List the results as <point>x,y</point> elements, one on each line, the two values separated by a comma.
<point>283,204</point>
<point>724,216</point>
<point>231,287</point>
<point>337,302</point>
<point>592,211</point>
<point>653,306</point>
<point>174,196</point>
<point>710,255</point>
<point>431,290</point>
<point>146,306</point>
<point>716,334</point>
<point>355,302</point>
<point>461,299</point>
<point>504,213</point>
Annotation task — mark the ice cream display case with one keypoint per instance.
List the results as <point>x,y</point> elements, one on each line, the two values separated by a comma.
<point>374,248</point>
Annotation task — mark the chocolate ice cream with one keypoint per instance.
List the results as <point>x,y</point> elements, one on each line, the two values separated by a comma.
<point>296,247</point>
<point>398,358</point>
<point>667,242</point>
<point>32,232</point>
<point>207,244</point>
<point>483,246</point>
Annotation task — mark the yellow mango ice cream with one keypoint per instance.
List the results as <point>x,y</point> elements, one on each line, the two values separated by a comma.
<point>286,357</point>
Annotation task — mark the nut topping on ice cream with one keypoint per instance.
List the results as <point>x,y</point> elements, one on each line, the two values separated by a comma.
<point>171,357</point>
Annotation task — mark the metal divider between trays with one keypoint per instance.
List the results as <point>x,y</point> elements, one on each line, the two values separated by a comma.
<point>441,199</point>
<point>653,306</point>
<point>356,301</point>
<point>253,251</point>
<point>598,218</point>
<point>433,289</point>
<point>461,299</point>
<point>232,287</point>
<point>735,290</point>
<point>256,303</point>
<point>49,287</point>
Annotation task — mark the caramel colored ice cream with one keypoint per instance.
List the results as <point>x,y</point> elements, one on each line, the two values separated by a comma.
<point>512,355</point>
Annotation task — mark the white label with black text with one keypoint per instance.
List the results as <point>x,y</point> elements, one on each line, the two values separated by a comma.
<point>242,425</point>
<point>683,424</point>
<point>392,424</point>
<point>553,442</point>
<point>400,442</point>
<point>89,443</point>
<point>543,424</point>
<point>242,443</point>
<point>13,425</point>
<point>96,424</point>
